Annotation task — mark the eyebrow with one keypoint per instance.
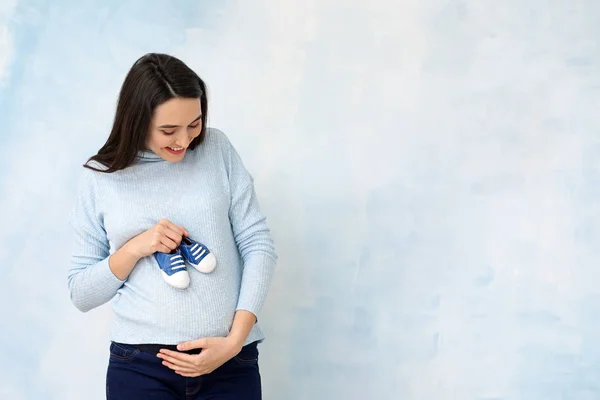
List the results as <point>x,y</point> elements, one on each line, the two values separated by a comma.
<point>177,126</point>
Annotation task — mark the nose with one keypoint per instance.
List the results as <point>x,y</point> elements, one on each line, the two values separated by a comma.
<point>182,139</point>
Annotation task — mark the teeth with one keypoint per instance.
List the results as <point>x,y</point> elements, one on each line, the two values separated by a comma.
<point>176,148</point>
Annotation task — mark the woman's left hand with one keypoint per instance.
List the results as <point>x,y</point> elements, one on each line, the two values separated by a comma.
<point>216,351</point>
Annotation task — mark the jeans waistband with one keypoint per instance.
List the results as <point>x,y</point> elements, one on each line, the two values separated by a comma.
<point>155,348</point>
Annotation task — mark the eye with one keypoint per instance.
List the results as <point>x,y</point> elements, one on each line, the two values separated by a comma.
<point>195,125</point>
<point>168,133</point>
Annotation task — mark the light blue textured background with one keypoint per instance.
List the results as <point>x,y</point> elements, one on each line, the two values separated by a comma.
<point>430,169</point>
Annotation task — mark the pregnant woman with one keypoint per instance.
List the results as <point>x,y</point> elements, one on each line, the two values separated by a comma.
<point>167,222</point>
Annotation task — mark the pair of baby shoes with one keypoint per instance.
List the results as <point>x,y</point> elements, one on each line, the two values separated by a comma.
<point>173,264</point>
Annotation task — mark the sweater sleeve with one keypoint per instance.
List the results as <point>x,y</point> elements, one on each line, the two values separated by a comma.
<point>91,282</point>
<point>251,234</point>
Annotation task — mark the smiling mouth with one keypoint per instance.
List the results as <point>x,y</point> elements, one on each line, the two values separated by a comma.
<point>175,150</point>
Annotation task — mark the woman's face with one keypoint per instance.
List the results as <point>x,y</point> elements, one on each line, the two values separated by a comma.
<point>174,125</point>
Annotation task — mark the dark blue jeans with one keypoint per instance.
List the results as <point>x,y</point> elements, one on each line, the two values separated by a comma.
<point>134,374</point>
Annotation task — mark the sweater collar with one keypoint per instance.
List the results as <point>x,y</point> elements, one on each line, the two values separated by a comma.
<point>149,156</point>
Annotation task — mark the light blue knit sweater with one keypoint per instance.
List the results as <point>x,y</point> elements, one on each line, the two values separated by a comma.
<point>211,194</point>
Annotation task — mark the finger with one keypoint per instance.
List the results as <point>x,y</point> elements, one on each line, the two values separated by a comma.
<point>190,375</point>
<point>176,364</point>
<point>175,228</point>
<point>162,248</point>
<point>179,369</point>
<point>164,222</point>
<point>173,235</point>
<point>177,358</point>
<point>192,344</point>
<point>171,244</point>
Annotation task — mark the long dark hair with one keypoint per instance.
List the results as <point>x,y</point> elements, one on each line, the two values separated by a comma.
<point>152,80</point>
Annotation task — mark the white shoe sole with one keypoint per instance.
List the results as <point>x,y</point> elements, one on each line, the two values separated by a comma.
<point>179,280</point>
<point>207,265</point>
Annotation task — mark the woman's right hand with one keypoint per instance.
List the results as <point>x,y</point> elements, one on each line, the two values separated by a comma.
<point>165,236</point>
